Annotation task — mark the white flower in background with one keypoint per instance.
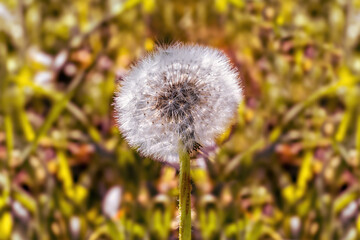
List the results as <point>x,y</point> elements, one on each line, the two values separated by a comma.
<point>20,211</point>
<point>75,227</point>
<point>112,201</point>
<point>44,79</point>
<point>295,225</point>
<point>185,93</point>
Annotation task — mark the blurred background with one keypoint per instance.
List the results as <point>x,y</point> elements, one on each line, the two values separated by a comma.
<point>288,169</point>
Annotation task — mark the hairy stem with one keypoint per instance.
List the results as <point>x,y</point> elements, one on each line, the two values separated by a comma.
<point>184,196</point>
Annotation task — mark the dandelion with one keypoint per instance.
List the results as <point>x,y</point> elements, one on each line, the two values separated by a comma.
<point>180,93</point>
<point>175,101</point>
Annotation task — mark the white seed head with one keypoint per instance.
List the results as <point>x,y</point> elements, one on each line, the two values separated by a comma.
<point>186,93</point>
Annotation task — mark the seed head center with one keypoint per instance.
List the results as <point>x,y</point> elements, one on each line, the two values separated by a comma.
<point>176,100</point>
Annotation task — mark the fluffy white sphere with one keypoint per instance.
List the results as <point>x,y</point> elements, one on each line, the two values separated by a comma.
<point>185,93</point>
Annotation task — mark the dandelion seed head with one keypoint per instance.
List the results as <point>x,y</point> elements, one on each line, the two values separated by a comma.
<point>185,93</point>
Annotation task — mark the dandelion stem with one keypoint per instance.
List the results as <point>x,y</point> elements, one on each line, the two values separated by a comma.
<point>184,196</point>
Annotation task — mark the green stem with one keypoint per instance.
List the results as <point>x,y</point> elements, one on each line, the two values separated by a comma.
<point>184,196</point>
